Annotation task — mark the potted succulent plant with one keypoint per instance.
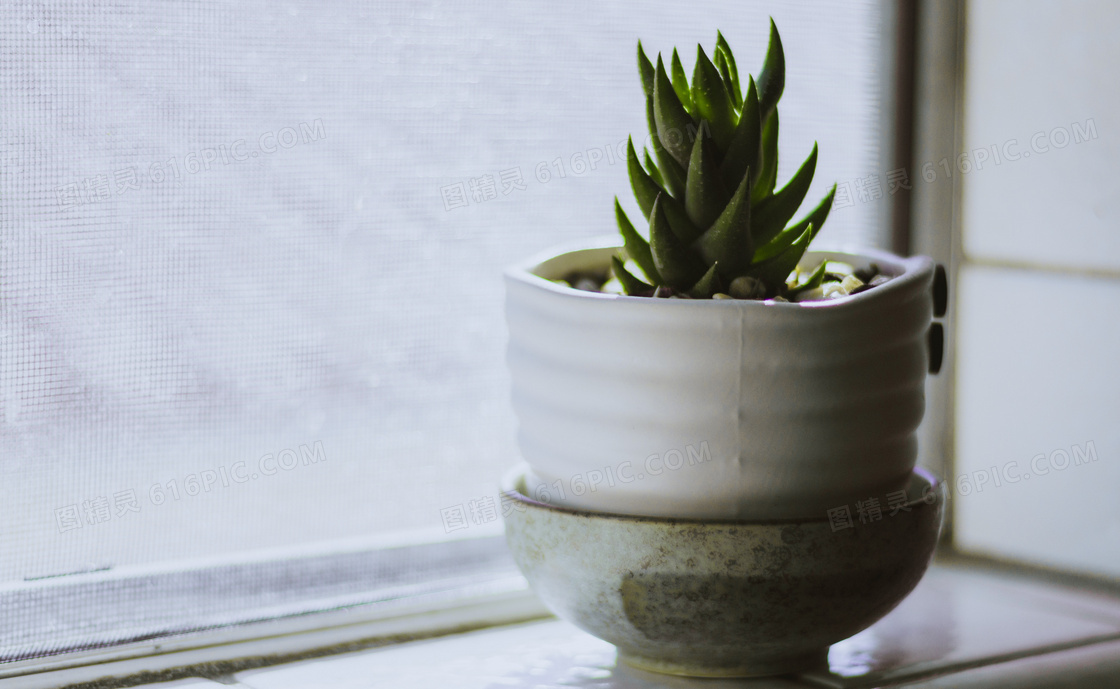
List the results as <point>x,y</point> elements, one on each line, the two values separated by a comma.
<point>694,402</point>
<point>717,369</point>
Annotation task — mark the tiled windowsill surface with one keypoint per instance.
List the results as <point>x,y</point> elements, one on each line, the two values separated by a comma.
<point>963,627</point>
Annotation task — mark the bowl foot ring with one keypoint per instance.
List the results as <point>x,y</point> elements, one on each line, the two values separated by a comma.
<point>744,667</point>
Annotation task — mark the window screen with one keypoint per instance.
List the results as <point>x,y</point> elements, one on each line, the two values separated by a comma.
<point>250,252</point>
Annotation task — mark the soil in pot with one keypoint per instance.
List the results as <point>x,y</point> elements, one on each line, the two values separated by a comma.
<point>840,280</point>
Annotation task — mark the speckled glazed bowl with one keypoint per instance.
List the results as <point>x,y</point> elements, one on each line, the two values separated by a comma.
<point>725,598</point>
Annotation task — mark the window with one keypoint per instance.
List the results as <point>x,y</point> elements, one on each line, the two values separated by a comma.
<point>250,295</point>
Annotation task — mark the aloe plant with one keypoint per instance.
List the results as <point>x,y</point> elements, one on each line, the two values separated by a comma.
<point>716,222</point>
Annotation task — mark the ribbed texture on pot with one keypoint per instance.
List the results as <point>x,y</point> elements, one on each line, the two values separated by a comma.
<point>716,409</point>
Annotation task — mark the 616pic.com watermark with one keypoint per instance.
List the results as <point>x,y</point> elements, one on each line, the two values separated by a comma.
<point>871,509</point>
<point>655,465</point>
<point>485,187</point>
<point>100,509</point>
<point>870,188</point>
<point>103,187</point>
<point>484,510</point>
<point>1010,473</point>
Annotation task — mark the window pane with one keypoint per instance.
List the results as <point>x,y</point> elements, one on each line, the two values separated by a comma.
<point>241,304</point>
<point>1037,402</point>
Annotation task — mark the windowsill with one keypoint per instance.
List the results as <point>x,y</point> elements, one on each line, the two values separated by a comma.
<point>126,625</point>
<point>967,625</point>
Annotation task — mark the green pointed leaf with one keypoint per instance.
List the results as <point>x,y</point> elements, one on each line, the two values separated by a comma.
<point>677,265</point>
<point>674,124</point>
<point>646,191</point>
<point>673,175</point>
<point>731,86</point>
<point>710,100</point>
<point>636,247</point>
<point>645,68</point>
<point>772,78</point>
<point>708,285</point>
<point>651,168</point>
<point>774,271</point>
<point>786,237</point>
<point>630,284</point>
<point>705,196</point>
<point>773,213</point>
<point>644,186</point>
<point>724,48</point>
<point>746,147</point>
<point>680,82</point>
<point>728,240</point>
<point>818,215</point>
<point>814,281</point>
<point>768,175</point>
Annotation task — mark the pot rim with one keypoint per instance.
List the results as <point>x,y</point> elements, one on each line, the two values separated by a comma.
<point>916,499</point>
<point>907,270</point>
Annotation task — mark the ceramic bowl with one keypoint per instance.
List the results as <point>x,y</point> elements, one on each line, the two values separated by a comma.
<point>725,598</point>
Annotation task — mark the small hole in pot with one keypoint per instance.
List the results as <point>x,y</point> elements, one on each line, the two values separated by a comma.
<point>936,347</point>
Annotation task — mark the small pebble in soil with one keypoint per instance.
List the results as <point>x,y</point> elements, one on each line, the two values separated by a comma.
<point>850,283</point>
<point>865,275</point>
<point>746,287</point>
<point>587,284</point>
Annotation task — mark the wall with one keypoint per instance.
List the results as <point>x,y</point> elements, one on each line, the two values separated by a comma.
<point>1037,414</point>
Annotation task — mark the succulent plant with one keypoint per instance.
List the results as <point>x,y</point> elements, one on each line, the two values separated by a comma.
<point>716,223</point>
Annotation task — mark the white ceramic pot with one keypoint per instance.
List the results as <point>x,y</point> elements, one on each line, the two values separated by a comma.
<point>716,409</point>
